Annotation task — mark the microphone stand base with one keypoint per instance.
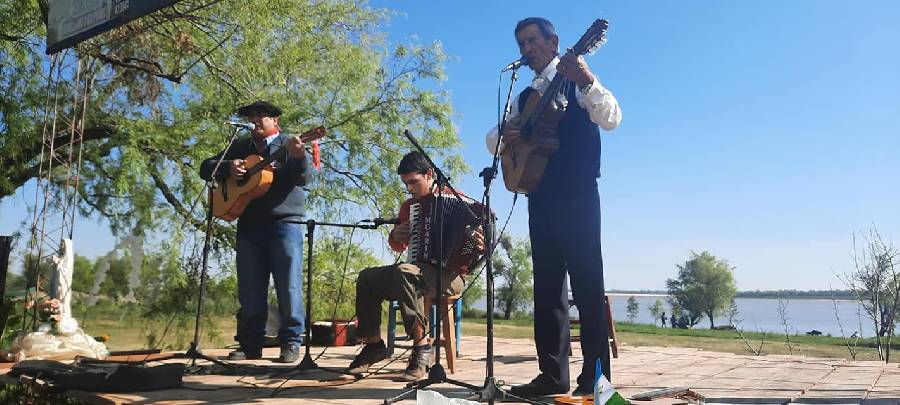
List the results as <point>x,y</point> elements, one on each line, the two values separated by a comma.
<point>308,364</point>
<point>436,375</point>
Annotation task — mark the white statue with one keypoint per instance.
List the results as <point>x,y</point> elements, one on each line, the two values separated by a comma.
<point>68,340</point>
<point>61,287</point>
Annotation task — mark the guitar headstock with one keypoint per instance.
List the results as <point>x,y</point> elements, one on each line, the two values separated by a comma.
<point>592,39</point>
<point>313,134</point>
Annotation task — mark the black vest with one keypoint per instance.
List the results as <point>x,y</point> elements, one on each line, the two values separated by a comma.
<point>575,166</point>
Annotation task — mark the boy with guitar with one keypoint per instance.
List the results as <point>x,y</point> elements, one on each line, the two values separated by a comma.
<point>563,204</point>
<point>269,233</point>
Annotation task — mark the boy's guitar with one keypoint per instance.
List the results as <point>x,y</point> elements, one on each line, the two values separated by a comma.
<point>232,195</point>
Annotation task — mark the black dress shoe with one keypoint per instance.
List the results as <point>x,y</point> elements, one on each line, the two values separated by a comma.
<point>583,392</point>
<point>538,387</point>
<point>289,353</point>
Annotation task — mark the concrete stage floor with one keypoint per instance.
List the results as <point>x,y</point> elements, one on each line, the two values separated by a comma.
<point>720,377</point>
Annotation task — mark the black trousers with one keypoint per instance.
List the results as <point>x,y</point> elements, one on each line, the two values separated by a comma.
<point>565,238</point>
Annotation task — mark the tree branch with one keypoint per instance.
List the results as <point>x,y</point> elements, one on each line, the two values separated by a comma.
<point>138,64</point>
<point>12,38</point>
<point>173,200</point>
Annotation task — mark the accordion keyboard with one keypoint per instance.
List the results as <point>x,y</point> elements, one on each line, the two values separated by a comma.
<point>415,243</point>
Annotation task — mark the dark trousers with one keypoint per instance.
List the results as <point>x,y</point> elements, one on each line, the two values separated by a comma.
<point>565,238</point>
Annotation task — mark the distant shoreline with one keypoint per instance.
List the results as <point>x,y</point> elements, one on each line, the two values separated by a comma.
<point>842,295</point>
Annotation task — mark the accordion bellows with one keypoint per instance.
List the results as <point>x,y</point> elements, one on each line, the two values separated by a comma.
<point>441,231</point>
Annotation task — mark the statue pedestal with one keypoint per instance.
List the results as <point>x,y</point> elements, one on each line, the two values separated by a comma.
<point>45,345</point>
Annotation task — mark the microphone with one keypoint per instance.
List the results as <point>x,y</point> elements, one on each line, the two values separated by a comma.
<point>382,221</point>
<point>516,64</point>
<point>245,125</point>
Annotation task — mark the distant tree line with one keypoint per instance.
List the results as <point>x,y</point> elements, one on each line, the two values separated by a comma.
<point>810,294</point>
<point>793,294</point>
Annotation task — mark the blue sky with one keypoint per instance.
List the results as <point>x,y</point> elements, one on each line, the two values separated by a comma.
<point>764,132</point>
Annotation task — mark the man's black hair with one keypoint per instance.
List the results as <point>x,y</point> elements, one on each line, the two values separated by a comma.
<point>413,162</point>
<point>547,29</point>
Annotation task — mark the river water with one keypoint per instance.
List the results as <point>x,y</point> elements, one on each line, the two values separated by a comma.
<point>760,314</point>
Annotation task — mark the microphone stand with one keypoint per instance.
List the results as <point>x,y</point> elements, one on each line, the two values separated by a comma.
<point>308,363</point>
<point>491,390</point>
<point>436,374</point>
<point>193,351</point>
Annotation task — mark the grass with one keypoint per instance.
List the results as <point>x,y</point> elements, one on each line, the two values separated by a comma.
<point>728,341</point>
<point>128,330</point>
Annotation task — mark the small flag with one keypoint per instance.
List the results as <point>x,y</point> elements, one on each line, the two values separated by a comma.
<point>604,392</point>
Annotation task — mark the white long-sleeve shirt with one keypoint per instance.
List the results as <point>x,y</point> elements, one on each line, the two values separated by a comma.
<point>598,101</point>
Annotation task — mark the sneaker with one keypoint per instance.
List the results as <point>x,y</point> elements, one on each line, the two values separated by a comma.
<point>245,353</point>
<point>538,387</point>
<point>371,353</point>
<point>289,353</point>
<point>419,361</point>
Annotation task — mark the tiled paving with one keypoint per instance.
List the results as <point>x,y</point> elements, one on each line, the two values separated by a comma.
<point>720,377</point>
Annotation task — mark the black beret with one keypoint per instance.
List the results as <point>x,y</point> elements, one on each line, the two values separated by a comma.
<point>260,106</point>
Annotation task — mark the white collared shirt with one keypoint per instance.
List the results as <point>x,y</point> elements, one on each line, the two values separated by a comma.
<point>598,101</point>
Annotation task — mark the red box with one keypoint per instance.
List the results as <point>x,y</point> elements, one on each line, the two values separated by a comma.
<point>341,332</point>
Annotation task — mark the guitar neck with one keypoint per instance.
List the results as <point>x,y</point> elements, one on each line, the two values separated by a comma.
<point>279,154</point>
<point>310,135</point>
<point>545,100</point>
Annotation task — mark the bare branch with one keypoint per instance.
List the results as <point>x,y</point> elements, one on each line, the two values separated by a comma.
<point>149,67</point>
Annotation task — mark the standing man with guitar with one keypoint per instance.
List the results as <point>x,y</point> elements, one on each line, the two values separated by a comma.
<point>269,234</point>
<point>563,206</point>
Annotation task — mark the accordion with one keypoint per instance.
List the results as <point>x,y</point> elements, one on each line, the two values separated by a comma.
<point>458,226</point>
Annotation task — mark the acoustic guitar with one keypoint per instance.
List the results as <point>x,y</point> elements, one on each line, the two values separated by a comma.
<point>232,195</point>
<point>524,160</point>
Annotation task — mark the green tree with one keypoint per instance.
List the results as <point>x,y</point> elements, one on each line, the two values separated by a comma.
<point>705,285</point>
<point>656,310</point>
<point>514,288</point>
<point>336,263</point>
<point>162,84</point>
<point>876,282</point>
<point>632,309</point>
<point>83,274</point>
<point>115,285</point>
<point>474,291</point>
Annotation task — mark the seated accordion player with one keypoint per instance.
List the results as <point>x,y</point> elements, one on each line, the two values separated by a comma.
<point>459,219</point>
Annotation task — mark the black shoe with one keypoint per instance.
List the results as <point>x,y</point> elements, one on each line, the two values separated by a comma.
<point>371,353</point>
<point>418,364</point>
<point>583,392</point>
<point>245,354</point>
<point>289,353</point>
<point>538,387</point>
